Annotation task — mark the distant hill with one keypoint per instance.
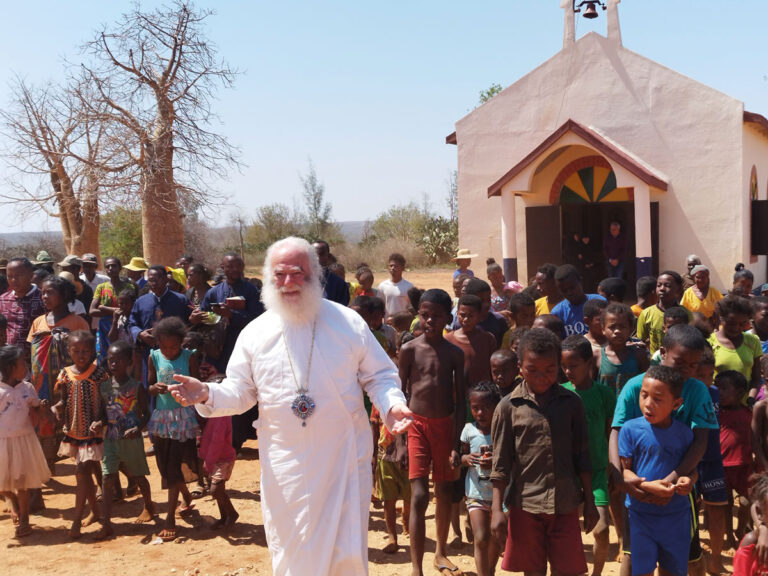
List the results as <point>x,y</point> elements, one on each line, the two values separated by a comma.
<point>351,230</point>
<point>11,239</point>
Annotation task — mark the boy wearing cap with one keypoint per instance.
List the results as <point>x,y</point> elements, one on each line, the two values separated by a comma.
<point>89,275</point>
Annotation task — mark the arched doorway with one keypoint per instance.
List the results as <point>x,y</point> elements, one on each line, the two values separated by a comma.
<point>584,200</point>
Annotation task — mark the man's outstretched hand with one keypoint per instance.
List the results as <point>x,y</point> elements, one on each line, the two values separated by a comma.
<point>188,391</point>
<point>403,418</point>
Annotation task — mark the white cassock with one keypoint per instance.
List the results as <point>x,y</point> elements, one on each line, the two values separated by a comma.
<point>315,480</point>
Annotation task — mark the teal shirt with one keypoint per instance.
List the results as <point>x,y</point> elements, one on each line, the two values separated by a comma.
<point>696,411</point>
<point>165,369</point>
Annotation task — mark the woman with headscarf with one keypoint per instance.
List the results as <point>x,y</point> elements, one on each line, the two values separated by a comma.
<point>701,297</point>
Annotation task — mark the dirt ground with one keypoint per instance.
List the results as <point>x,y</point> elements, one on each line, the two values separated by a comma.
<point>198,550</point>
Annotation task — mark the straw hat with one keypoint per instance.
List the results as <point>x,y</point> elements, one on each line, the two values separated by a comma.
<point>464,253</point>
<point>69,277</point>
<point>137,264</point>
<point>178,275</point>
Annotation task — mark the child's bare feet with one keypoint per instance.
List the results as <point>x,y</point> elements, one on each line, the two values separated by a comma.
<point>714,567</point>
<point>146,515</point>
<point>22,529</point>
<point>74,531</point>
<point>446,567</point>
<point>390,545</point>
<point>230,520</point>
<point>185,510</point>
<point>104,533</point>
<point>92,519</point>
<point>167,534</point>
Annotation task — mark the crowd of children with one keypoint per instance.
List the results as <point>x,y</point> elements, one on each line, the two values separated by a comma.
<point>532,407</point>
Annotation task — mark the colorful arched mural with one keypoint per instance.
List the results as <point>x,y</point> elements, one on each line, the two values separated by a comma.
<point>588,180</point>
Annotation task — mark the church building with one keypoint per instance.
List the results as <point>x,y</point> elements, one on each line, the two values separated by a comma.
<point>600,134</point>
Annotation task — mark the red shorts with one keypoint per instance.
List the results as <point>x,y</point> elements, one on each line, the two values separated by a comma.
<point>430,441</point>
<point>737,478</point>
<point>534,539</point>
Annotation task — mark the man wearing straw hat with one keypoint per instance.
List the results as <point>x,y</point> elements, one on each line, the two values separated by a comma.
<point>463,259</point>
<point>136,269</point>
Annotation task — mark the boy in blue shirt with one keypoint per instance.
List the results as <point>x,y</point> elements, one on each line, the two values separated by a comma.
<point>571,309</point>
<point>650,448</point>
<point>681,349</point>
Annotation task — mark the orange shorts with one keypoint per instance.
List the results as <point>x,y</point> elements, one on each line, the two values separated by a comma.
<point>430,441</point>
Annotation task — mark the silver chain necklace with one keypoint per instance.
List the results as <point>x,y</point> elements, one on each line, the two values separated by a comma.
<point>302,405</point>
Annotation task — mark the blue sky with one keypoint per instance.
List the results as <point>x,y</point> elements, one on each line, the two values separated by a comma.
<point>370,90</point>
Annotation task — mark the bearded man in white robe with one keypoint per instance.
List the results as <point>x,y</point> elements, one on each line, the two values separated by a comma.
<point>306,361</point>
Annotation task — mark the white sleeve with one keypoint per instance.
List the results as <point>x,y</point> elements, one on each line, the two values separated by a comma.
<point>237,392</point>
<point>378,376</point>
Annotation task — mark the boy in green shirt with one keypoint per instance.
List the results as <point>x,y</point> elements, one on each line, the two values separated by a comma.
<point>599,402</point>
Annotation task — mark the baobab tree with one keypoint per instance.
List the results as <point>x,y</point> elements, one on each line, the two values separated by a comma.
<point>154,74</point>
<point>64,163</point>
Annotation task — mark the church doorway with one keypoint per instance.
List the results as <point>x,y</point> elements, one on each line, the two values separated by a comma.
<point>584,201</point>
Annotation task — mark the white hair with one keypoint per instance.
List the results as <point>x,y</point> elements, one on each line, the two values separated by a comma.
<point>311,290</point>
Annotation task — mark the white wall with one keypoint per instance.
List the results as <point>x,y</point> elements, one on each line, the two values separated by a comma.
<point>688,131</point>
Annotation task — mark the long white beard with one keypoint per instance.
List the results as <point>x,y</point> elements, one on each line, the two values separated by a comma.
<point>300,311</point>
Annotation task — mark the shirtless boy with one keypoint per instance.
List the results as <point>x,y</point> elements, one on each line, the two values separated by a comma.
<point>432,372</point>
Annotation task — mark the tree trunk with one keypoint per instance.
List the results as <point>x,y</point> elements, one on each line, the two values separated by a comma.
<point>88,238</point>
<point>161,218</point>
<point>79,221</point>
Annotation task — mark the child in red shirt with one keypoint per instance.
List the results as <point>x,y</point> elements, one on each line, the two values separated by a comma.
<point>745,561</point>
<point>735,443</point>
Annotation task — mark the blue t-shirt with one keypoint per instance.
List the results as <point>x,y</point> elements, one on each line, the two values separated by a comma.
<point>655,452</point>
<point>696,411</point>
<point>573,316</point>
<point>474,486</point>
<point>468,272</point>
<point>764,346</point>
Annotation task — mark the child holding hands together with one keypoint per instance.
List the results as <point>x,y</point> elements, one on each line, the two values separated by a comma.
<point>650,448</point>
<point>83,413</point>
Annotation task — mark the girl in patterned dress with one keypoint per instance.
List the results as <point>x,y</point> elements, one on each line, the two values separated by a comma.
<point>172,426</point>
<point>83,414</point>
<point>22,463</point>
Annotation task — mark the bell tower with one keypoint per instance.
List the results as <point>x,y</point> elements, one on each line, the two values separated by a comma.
<point>572,7</point>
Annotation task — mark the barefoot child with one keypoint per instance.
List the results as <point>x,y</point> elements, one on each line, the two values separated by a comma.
<point>83,413</point>
<point>619,362</point>
<point>711,483</point>
<point>218,457</point>
<point>735,447</point>
<point>22,463</point>
<point>539,441</point>
<point>476,449</point>
<point>432,373</point>
<point>650,448</point>
<point>127,416</point>
<point>391,479</point>
<point>172,426</point>
<point>599,402</point>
